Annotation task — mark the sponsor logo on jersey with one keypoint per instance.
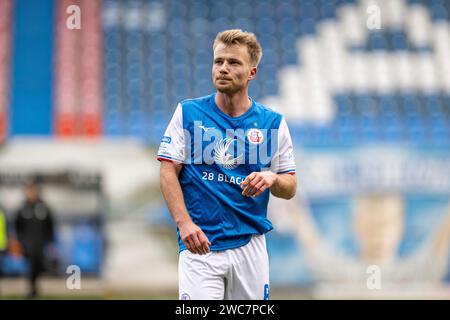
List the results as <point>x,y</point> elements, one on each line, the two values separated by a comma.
<point>223,157</point>
<point>166,139</point>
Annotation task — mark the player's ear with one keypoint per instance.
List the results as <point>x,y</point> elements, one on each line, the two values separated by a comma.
<point>252,74</point>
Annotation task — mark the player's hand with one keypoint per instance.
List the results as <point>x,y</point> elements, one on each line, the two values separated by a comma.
<point>194,238</point>
<point>257,182</point>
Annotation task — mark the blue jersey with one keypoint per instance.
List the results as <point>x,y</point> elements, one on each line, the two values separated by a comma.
<point>218,151</point>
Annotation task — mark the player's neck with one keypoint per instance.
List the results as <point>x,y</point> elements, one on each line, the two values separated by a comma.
<point>233,105</point>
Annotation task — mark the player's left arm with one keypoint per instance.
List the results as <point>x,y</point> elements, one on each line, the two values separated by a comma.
<point>282,185</point>
<point>280,178</point>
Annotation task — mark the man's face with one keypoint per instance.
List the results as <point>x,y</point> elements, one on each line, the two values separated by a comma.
<point>231,69</point>
<point>32,193</point>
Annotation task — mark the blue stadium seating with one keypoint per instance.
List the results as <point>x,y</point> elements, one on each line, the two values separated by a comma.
<point>148,72</point>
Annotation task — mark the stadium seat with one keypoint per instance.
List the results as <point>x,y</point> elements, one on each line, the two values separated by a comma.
<point>162,68</point>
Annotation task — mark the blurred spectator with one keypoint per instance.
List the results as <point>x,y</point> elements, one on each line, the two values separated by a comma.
<point>35,231</point>
<point>3,240</point>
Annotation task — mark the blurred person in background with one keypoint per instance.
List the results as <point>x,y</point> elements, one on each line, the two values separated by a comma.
<point>220,204</point>
<point>3,241</point>
<point>35,231</point>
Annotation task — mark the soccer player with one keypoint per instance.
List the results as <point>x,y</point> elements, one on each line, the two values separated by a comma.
<point>220,156</point>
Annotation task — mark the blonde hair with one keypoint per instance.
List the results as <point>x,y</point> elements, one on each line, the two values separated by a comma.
<point>239,37</point>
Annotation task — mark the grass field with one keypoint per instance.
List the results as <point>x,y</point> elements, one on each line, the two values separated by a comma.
<point>96,289</point>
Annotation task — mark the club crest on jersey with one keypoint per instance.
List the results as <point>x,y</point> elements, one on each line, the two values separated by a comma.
<point>185,296</point>
<point>222,157</point>
<point>255,136</point>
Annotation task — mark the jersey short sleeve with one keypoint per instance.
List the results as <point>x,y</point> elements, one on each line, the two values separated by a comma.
<point>172,147</point>
<point>283,160</point>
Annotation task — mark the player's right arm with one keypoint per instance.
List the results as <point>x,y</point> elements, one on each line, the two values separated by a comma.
<point>191,235</point>
<point>171,153</point>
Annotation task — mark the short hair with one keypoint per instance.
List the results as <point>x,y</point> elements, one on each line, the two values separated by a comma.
<point>32,184</point>
<point>239,37</point>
